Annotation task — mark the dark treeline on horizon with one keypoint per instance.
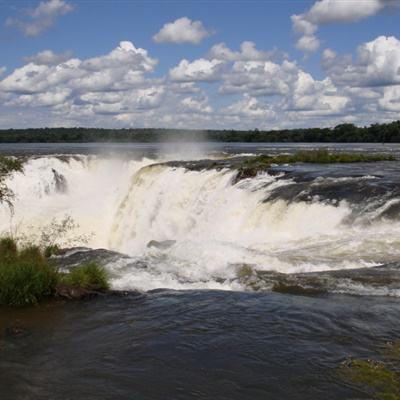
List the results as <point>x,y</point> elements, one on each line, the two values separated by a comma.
<point>346,133</point>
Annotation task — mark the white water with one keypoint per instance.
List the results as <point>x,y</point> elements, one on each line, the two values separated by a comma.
<point>123,205</point>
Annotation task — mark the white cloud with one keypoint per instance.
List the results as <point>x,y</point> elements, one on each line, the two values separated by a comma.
<point>248,52</point>
<point>391,99</point>
<point>196,105</point>
<point>332,11</point>
<point>182,30</point>
<point>2,70</point>
<point>259,78</point>
<point>198,70</point>
<point>377,64</point>
<point>315,97</point>
<point>244,88</point>
<point>249,107</point>
<point>33,22</point>
<point>47,57</point>
<point>122,68</point>
<point>308,43</point>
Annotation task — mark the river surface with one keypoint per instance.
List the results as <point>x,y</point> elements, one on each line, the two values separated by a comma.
<point>226,289</point>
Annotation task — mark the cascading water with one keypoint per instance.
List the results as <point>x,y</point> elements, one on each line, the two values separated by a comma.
<point>213,225</point>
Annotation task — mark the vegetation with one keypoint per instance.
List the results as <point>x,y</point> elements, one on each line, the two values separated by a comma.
<point>27,276</point>
<point>251,166</point>
<point>51,250</point>
<point>8,165</point>
<point>88,276</point>
<point>380,379</point>
<point>347,133</point>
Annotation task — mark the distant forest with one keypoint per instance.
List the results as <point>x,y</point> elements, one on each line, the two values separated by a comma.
<point>385,133</point>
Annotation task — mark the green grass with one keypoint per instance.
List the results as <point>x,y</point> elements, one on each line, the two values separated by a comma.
<point>250,167</point>
<point>379,379</point>
<point>27,276</point>
<point>50,250</point>
<point>90,276</point>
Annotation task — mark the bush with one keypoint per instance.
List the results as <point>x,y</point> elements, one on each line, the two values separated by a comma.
<point>89,276</point>
<point>25,275</point>
<point>8,247</point>
<point>51,250</point>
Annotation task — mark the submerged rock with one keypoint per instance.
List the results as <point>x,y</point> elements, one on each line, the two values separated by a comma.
<point>16,331</point>
<point>71,292</point>
<point>163,245</point>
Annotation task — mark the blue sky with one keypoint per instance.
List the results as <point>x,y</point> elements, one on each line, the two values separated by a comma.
<point>199,64</point>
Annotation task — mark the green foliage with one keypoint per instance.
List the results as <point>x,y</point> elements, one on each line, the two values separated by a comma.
<point>343,133</point>
<point>251,166</point>
<point>380,379</point>
<point>25,275</point>
<point>8,247</point>
<point>50,250</point>
<point>89,276</point>
<point>8,165</point>
<point>60,233</point>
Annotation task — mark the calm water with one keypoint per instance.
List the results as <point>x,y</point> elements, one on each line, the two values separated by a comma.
<point>183,340</point>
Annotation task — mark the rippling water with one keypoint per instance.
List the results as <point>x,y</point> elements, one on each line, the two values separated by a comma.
<point>307,257</point>
<point>192,344</point>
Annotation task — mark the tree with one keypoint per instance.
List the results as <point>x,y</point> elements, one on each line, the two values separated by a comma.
<point>8,165</point>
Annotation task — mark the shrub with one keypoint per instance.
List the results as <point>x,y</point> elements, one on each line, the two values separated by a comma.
<point>51,250</point>
<point>89,276</point>
<point>25,277</point>
<point>8,247</point>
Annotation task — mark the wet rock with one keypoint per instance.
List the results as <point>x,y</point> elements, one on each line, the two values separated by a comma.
<point>71,292</point>
<point>16,331</point>
<point>162,245</point>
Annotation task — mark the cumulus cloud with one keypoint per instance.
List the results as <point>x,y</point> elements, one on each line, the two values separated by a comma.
<point>198,105</point>
<point>249,107</point>
<point>47,57</point>
<point>33,22</point>
<point>198,70</point>
<point>2,70</point>
<point>332,11</point>
<point>315,97</point>
<point>248,52</point>
<point>259,78</point>
<point>391,99</point>
<point>122,68</point>
<point>182,30</point>
<point>242,88</point>
<point>377,64</point>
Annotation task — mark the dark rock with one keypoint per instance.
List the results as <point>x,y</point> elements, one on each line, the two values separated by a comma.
<point>71,292</point>
<point>16,331</point>
<point>163,245</point>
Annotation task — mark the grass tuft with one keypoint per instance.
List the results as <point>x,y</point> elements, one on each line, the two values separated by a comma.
<point>27,276</point>
<point>90,276</point>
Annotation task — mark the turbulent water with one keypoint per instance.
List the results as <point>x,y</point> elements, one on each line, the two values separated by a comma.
<point>207,226</point>
<point>307,257</point>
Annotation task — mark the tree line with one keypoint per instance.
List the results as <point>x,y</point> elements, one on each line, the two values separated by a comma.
<point>347,133</point>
